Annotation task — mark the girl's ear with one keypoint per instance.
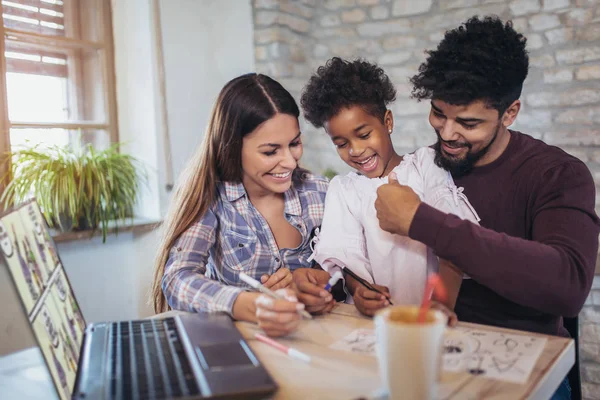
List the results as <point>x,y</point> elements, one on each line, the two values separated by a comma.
<point>388,121</point>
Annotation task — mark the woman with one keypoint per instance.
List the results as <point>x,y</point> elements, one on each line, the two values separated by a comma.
<point>243,204</point>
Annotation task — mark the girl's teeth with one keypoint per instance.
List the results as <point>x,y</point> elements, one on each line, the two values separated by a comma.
<point>369,163</point>
<point>281,175</point>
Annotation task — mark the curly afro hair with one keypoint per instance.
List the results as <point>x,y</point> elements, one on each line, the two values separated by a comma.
<point>342,84</point>
<point>483,59</point>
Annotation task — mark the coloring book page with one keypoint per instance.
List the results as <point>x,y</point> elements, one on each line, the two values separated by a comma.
<point>495,355</point>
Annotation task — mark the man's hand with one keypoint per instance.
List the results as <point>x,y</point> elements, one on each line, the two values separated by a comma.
<point>310,283</point>
<point>281,279</point>
<point>396,206</point>
<point>368,301</point>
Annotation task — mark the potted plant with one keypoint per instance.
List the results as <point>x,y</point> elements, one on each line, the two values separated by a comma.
<point>329,173</point>
<point>76,188</point>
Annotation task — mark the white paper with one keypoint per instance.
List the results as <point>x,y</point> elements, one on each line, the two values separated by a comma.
<point>358,341</point>
<point>494,355</point>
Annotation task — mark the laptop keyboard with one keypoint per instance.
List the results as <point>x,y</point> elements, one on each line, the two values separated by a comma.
<point>148,361</point>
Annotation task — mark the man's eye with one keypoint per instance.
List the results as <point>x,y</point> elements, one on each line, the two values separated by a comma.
<point>467,126</point>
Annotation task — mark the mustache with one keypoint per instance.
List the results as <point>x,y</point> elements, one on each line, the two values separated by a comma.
<point>452,143</point>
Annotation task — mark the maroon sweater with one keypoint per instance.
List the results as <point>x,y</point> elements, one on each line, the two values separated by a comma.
<point>532,260</point>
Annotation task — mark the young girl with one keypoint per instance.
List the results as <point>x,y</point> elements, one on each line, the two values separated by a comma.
<point>349,99</point>
<point>243,205</point>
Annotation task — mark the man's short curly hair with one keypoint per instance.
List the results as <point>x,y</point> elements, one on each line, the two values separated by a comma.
<point>483,59</point>
<point>342,84</point>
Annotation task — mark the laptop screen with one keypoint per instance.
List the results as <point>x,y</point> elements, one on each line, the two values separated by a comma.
<point>45,292</point>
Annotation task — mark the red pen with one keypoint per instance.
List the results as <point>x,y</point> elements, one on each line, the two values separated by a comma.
<point>288,350</point>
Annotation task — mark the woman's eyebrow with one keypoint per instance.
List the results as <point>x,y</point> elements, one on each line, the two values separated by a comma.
<point>276,145</point>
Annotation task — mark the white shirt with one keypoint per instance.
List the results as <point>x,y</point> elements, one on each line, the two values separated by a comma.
<point>350,234</point>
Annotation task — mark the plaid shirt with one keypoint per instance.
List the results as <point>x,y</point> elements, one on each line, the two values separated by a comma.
<point>202,272</point>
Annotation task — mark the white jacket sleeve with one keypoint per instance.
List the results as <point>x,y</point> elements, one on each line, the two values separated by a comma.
<point>341,241</point>
<point>439,188</point>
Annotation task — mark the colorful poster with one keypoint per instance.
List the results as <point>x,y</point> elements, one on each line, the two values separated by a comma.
<point>29,284</point>
<point>41,250</point>
<point>45,291</point>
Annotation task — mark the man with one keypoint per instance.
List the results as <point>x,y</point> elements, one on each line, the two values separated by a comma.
<point>532,260</point>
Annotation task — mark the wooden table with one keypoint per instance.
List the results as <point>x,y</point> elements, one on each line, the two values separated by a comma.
<point>333,374</point>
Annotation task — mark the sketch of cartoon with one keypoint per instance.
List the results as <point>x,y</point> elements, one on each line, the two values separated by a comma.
<point>77,312</point>
<point>496,355</point>
<point>50,327</point>
<point>51,248</point>
<point>71,323</point>
<point>61,287</point>
<point>68,344</point>
<point>33,265</point>
<point>27,275</point>
<point>5,242</point>
<point>62,376</point>
<point>38,232</point>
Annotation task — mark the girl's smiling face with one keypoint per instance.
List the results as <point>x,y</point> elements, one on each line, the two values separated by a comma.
<point>363,140</point>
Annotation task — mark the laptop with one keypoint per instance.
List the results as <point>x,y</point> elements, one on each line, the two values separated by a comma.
<point>186,356</point>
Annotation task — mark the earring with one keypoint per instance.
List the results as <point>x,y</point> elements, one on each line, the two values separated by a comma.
<point>390,131</point>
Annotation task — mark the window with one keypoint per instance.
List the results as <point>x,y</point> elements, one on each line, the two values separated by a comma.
<point>56,74</point>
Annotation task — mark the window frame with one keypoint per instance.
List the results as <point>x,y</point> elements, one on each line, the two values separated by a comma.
<point>47,42</point>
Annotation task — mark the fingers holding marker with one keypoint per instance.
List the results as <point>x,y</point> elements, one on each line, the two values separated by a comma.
<point>280,279</point>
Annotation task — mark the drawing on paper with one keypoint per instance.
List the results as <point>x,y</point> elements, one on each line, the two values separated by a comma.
<point>494,355</point>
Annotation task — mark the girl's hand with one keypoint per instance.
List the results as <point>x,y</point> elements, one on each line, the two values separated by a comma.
<point>281,279</point>
<point>452,318</point>
<point>310,283</point>
<point>278,317</point>
<point>368,301</point>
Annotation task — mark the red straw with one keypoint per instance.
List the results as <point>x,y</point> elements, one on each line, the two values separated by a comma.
<point>434,284</point>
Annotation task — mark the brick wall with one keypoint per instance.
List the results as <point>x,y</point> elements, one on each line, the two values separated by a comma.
<point>561,98</point>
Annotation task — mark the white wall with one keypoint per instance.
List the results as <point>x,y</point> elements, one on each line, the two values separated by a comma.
<point>205,44</point>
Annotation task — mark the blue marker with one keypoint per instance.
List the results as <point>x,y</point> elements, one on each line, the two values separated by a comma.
<point>333,280</point>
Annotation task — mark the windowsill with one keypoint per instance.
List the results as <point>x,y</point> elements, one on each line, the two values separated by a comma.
<point>138,225</point>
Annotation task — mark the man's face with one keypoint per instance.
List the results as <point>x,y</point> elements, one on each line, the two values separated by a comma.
<point>466,134</point>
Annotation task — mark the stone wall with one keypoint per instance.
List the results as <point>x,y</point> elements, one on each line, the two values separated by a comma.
<point>561,98</point>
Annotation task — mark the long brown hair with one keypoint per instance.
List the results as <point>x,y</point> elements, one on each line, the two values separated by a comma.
<point>243,104</point>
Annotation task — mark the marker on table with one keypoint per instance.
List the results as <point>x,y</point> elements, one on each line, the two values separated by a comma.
<point>333,280</point>
<point>288,350</point>
<point>258,286</point>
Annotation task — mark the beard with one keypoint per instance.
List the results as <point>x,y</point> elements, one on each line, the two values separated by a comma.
<point>459,167</point>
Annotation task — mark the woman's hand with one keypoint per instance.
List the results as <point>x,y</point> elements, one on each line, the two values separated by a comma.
<point>310,283</point>
<point>368,301</point>
<point>278,317</point>
<point>281,279</point>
